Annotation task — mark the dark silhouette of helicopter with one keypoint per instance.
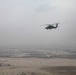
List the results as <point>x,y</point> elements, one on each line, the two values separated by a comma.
<point>51,26</point>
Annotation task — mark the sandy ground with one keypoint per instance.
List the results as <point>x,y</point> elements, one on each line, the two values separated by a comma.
<point>37,66</point>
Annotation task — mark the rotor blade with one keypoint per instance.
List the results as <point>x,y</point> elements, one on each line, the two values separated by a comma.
<point>45,25</point>
<point>57,23</point>
<point>54,23</point>
<point>50,24</point>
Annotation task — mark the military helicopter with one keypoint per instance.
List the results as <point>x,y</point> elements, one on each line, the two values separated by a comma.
<point>51,26</point>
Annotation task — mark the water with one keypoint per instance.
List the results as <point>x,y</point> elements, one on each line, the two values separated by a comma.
<point>38,52</point>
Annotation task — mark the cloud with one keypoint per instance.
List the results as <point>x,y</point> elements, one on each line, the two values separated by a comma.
<point>42,5</point>
<point>44,8</point>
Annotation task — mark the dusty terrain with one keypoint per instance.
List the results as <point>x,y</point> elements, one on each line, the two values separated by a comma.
<point>37,66</point>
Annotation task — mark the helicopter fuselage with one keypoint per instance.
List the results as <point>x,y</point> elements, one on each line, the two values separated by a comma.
<point>50,27</point>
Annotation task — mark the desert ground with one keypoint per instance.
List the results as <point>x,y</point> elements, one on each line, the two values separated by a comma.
<point>37,66</point>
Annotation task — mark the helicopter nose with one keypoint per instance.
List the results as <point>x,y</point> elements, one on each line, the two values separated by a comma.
<point>45,27</point>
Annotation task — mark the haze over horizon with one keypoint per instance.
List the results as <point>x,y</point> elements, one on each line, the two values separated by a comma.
<point>20,22</point>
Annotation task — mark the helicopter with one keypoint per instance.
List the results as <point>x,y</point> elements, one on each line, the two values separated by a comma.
<point>51,26</point>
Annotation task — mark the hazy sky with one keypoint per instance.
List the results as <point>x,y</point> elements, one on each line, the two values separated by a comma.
<point>20,22</point>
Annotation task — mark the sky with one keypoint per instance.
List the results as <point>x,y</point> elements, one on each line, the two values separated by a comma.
<point>21,20</point>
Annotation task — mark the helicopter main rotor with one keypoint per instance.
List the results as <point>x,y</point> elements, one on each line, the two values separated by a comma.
<point>50,24</point>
